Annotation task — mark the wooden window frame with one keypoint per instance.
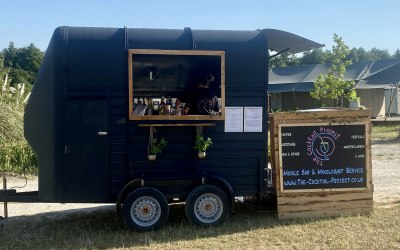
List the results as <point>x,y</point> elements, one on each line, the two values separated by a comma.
<point>132,52</point>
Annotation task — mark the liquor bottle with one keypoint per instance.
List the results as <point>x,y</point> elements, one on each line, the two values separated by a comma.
<point>156,107</point>
<point>162,106</point>
<point>149,110</point>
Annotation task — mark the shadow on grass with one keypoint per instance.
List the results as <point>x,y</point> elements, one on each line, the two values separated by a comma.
<point>386,141</point>
<point>101,228</point>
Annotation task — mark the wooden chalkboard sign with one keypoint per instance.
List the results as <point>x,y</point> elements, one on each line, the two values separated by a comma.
<point>323,156</point>
<point>321,162</point>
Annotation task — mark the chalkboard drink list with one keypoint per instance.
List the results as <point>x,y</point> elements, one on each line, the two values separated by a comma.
<point>323,156</point>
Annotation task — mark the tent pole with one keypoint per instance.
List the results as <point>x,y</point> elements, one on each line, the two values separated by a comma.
<point>277,54</point>
<point>391,100</point>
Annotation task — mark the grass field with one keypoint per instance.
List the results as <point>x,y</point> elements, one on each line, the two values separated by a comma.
<point>246,229</point>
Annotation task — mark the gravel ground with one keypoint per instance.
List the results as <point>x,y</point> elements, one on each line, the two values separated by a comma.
<point>385,168</point>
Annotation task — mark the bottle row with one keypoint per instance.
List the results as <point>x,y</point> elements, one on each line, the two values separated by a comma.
<point>159,106</point>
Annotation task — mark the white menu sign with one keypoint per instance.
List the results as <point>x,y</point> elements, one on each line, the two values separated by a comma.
<point>233,119</point>
<point>253,119</point>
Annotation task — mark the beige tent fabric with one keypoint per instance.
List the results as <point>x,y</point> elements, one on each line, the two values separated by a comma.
<point>392,97</point>
<point>373,99</point>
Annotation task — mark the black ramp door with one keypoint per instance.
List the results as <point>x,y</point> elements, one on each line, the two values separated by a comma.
<point>86,169</point>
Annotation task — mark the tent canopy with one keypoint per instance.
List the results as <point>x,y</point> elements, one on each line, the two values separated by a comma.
<point>381,74</point>
<point>366,75</point>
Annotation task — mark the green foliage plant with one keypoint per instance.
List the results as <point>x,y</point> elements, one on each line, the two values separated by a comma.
<point>157,146</point>
<point>16,156</point>
<point>202,144</point>
<point>352,96</point>
<point>332,85</point>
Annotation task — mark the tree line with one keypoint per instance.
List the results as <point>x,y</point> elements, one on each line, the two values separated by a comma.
<point>320,56</point>
<point>22,64</point>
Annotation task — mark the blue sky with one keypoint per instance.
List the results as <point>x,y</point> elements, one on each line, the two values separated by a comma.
<point>361,23</point>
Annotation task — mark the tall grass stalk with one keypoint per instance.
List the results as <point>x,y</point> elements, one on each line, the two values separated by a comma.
<point>11,125</point>
<point>16,156</point>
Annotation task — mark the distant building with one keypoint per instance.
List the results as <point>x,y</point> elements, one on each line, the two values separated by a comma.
<point>377,84</point>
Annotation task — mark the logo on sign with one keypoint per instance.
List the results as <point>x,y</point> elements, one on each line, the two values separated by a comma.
<point>321,145</point>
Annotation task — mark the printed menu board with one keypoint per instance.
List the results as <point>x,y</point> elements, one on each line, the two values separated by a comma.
<point>323,156</point>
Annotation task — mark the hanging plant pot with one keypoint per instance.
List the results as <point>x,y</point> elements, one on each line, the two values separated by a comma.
<point>201,154</point>
<point>151,157</point>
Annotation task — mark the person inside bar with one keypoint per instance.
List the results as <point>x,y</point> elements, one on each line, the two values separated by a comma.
<point>205,101</point>
<point>201,100</point>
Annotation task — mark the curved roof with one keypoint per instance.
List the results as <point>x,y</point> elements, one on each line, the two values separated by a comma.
<point>281,41</point>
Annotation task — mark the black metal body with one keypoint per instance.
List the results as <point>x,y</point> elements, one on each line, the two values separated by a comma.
<point>82,89</point>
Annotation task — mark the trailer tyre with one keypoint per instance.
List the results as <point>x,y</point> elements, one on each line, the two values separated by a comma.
<point>145,209</point>
<point>207,205</point>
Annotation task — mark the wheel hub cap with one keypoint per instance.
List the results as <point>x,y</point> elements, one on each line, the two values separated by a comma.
<point>208,208</point>
<point>145,211</point>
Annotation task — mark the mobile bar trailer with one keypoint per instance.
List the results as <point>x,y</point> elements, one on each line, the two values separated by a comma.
<point>84,123</point>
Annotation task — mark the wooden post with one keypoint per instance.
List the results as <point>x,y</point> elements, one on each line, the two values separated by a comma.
<point>5,203</point>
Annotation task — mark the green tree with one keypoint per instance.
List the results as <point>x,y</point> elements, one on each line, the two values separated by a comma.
<point>3,70</point>
<point>316,56</point>
<point>319,56</point>
<point>332,85</point>
<point>396,54</point>
<point>24,63</point>
<point>357,55</point>
<point>375,54</point>
<point>284,61</point>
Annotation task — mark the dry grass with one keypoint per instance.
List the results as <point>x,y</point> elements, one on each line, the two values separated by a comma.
<point>388,132</point>
<point>246,229</point>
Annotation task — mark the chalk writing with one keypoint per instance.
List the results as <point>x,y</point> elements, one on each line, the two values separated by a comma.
<point>322,181</point>
<point>353,146</point>
<point>355,137</point>
<point>330,171</point>
<point>323,157</point>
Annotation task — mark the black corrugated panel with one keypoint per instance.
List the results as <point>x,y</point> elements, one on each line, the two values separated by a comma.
<point>118,136</point>
<point>169,39</point>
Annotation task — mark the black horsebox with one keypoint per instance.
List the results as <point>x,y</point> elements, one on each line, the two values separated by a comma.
<point>82,120</point>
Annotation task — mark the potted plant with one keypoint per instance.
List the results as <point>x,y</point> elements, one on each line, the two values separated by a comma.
<point>201,145</point>
<point>156,146</point>
<point>354,100</point>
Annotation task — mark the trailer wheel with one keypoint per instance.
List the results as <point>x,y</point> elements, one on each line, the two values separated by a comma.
<point>207,205</point>
<point>145,209</point>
